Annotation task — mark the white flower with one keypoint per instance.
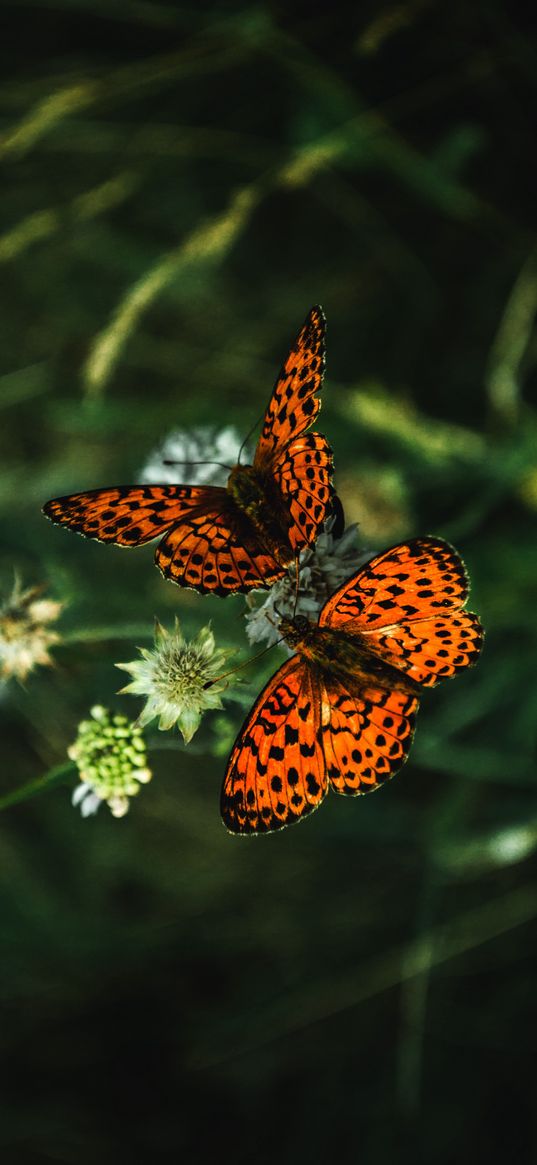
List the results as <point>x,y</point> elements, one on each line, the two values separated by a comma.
<point>24,633</point>
<point>323,568</point>
<point>203,443</point>
<point>110,755</point>
<point>180,679</point>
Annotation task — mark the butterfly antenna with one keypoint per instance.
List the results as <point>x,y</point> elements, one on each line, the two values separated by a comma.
<point>167,461</point>
<point>246,663</point>
<point>248,435</point>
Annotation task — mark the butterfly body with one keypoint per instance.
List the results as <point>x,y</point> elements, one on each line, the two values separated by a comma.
<point>344,656</point>
<point>339,714</point>
<point>260,502</point>
<point>225,540</point>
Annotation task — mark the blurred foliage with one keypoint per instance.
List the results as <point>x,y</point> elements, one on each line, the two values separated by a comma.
<point>179,185</point>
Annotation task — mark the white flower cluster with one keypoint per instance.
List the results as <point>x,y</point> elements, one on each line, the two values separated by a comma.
<point>197,452</point>
<point>323,568</point>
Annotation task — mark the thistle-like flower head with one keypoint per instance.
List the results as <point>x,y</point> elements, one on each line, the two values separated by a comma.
<point>111,757</point>
<point>180,679</point>
<point>323,568</point>
<point>25,635</point>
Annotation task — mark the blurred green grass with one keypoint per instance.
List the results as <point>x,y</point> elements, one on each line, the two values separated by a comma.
<point>179,186</point>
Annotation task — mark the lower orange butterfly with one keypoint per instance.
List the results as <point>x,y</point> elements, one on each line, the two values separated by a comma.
<point>225,540</point>
<point>341,711</point>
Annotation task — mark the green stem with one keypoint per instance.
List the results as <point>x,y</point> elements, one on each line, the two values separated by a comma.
<point>176,744</point>
<point>98,634</point>
<point>32,788</point>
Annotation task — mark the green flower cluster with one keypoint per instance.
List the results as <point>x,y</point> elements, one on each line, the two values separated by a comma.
<point>111,757</point>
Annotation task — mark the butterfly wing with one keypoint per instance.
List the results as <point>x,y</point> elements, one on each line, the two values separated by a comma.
<point>366,734</point>
<point>204,546</point>
<point>294,403</point>
<point>408,604</point>
<point>276,772</point>
<point>216,553</point>
<point>300,464</point>
<point>304,475</point>
<point>131,515</point>
<point>304,733</point>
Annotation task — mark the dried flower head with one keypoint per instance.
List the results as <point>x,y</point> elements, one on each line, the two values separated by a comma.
<point>180,679</point>
<point>111,757</point>
<point>25,636</point>
<point>188,447</point>
<point>322,569</point>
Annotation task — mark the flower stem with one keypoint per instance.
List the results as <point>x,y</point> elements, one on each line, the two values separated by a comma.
<point>33,788</point>
<point>97,634</point>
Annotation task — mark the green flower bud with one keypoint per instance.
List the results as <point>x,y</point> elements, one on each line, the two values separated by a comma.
<point>110,754</point>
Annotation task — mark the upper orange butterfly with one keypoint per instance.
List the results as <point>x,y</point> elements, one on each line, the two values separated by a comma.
<point>224,540</point>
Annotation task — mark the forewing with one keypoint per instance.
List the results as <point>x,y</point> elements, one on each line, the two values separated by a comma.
<point>131,515</point>
<point>216,553</point>
<point>208,545</point>
<point>276,773</point>
<point>408,605</point>
<point>415,580</point>
<point>294,404</point>
<point>366,734</point>
<point>304,475</point>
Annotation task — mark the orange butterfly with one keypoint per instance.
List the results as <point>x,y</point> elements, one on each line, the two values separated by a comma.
<point>222,540</point>
<point>341,711</point>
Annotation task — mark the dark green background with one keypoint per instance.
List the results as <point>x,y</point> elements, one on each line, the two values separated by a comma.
<point>358,988</point>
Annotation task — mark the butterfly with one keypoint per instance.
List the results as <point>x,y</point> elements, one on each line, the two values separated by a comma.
<point>222,540</point>
<point>340,712</point>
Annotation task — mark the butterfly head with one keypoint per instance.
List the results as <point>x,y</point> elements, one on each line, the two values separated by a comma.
<point>296,631</point>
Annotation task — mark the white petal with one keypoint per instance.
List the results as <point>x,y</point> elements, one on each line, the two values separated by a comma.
<point>189,721</point>
<point>79,793</point>
<point>168,717</point>
<point>136,687</point>
<point>161,635</point>
<point>205,641</point>
<point>148,713</point>
<point>211,698</point>
<point>90,804</point>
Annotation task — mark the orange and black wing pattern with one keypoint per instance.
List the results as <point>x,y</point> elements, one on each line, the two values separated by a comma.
<point>313,729</point>
<point>217,553</point>
<point>132,515</point>
<point>209,543</point>
<point>300,463</point>
<point>304,476</point>
<point>366,734</point>
<point>276,773</point>
<point>408,604</point>
<point>203,545</point>
<point>305,733</point>
<point>294,403</point>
